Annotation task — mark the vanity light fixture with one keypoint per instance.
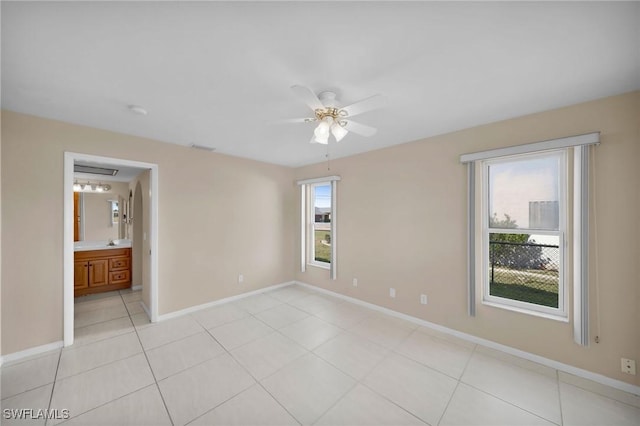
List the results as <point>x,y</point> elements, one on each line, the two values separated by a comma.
<point>91,187</point>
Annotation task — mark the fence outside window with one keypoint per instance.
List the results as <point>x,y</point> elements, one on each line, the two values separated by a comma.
<point>524,271</point>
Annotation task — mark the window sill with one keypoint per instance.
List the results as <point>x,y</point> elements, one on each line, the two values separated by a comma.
<point>319,265</point>
<point>559,318</point>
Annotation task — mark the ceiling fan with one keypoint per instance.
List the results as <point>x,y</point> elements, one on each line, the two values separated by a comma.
<point>333,119</point>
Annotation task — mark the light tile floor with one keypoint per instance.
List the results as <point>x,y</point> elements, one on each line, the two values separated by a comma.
<point>292,356</point>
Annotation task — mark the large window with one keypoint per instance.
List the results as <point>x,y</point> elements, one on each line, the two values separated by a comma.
<point>318,220</point>
<point>524,225</point>
<point>518,220</point>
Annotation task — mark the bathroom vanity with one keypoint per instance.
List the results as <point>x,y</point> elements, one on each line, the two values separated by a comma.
<point>101,267</point>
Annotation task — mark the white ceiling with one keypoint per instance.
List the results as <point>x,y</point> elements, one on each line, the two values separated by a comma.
<point>218,74</point>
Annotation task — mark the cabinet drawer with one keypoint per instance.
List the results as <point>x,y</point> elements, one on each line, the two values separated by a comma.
<point>119,277</point>
<point>119,263</point>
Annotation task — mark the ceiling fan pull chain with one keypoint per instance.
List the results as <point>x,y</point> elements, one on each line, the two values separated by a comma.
<point>328,160</point>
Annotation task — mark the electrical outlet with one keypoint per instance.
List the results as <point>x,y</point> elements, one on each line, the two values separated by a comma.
<point>423,299</point>
<point>628,366</point>
<point>355,282</point>
<point>392,292</point>
<point>240,278</point>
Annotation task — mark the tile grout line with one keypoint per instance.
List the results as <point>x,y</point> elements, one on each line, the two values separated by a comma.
<point>492,395</point>
<point>394,350</point>
<point>509,403</point>
<point>459,380</point>
<point>356,381</point>
<point>120,397</point>
<point>149,365</point>
<point>637,407</point>
<point>390,351</point>
<point>559,398</point>
<point>257,381</point>
<point>53,388</point>
<point>308,351</point>
<point>496,396</point>
<point>107,403</point>
<point>100,366</point>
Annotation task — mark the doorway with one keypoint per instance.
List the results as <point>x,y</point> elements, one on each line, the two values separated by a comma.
<point>70,159</point>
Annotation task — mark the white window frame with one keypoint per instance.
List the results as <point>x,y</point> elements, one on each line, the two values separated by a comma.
<point>311,227</point>
<point>307,222</point>
<point>561,312</point>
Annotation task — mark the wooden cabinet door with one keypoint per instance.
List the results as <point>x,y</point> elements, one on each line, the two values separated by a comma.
<point>98,272</point>
<point>81,274</point>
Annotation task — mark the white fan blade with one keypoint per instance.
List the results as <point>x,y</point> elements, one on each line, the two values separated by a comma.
<point>308,97</point>
<point>360,129</point>
<point>296,120</point>
<point>375,101</point>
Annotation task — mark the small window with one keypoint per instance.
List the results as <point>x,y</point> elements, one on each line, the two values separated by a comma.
<point>319,220</point>
<point>318,223</point>
<point>524,232</point>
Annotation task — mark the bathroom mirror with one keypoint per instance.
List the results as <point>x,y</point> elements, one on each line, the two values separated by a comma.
<point>98,217</point>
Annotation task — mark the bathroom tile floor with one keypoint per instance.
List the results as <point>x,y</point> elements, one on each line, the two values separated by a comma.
<point>291,356</point>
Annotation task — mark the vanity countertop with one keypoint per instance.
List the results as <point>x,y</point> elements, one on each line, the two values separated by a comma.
<point>100,245</point>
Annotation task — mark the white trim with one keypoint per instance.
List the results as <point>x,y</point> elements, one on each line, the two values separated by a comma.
<point>333,232</point>
<point>318,180</point>
<point>471,238</point>
<point>153,240</point>
<point>560,313</point>
<point>321,265</point>
<point>82,217</point>
<point>522,308</point>
<point>196,308</point>
<point>67,267</point>
<point>310,226</point>
<point>581,245</point>
<point>303,228</point>
<point>599,378</point>
<point>69,159</point>
<point>568,142</point>
<point>36,350</point>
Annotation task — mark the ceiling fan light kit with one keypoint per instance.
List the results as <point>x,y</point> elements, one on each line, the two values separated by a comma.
<point>335,120</point>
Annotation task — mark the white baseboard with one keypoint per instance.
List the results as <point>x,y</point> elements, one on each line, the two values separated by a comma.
<point>36,350</point>
<point>598,378</point>
<point>196,308</point>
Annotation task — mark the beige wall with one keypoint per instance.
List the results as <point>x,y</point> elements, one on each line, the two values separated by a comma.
<point>97,210</point>
<point>402,223</point>
<point>209,227</point>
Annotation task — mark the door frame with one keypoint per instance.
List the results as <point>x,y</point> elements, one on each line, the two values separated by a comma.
<point>68,297</point>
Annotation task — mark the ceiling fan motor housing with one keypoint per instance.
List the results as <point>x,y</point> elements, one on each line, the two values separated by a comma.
<point>328,99</point>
